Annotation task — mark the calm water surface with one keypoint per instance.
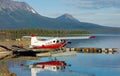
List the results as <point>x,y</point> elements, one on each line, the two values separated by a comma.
<point>81,64</point>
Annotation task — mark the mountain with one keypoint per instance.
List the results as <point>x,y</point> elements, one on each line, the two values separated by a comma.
<point>67,18</point>
<point>15,15</point>
<point>73,23</point>
<point>10,6</point>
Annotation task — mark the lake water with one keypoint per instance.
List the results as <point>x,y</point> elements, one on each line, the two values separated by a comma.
<point>81,64</point>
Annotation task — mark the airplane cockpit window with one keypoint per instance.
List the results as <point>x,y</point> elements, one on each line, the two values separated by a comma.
<point>58,68</point>
<point>54,41</point>
<point>57,41</point>
<point>62,41</point>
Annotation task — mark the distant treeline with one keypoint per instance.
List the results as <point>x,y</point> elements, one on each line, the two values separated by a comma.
<point>18,33</point>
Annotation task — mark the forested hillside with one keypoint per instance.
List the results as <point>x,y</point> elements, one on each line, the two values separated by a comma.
<point>18,33</point>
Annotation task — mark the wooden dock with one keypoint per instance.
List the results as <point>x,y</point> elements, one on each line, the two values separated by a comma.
<point>55,54</point>
<point>94,50</point>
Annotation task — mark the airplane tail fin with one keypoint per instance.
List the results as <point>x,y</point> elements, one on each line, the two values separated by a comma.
<point>33,39</point>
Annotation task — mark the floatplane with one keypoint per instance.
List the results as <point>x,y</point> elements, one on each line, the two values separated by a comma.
<point>51,43</point>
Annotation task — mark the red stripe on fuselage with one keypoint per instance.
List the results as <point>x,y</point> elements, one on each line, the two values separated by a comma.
<point>52,46</point>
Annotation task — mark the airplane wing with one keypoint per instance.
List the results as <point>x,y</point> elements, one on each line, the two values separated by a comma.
<point>77,37</point>
<point>67,38</point>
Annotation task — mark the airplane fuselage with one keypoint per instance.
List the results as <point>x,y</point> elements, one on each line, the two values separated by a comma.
<point>48,44</point>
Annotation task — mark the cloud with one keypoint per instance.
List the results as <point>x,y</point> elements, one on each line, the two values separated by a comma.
<point>95,4</point>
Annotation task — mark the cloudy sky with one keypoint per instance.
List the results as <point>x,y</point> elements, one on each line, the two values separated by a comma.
<point>103,12</point>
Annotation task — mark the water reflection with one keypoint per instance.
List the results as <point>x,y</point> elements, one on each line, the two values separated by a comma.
<point>49,65</point>
<point>81,65</point>
<point>46,66</point>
